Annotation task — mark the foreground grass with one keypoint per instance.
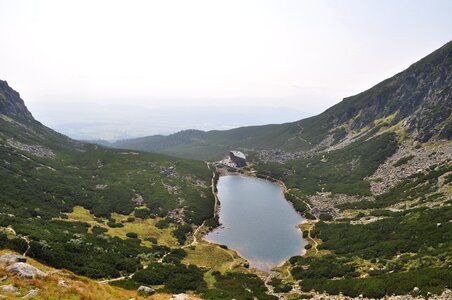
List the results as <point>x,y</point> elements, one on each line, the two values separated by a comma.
<point>62,284</point>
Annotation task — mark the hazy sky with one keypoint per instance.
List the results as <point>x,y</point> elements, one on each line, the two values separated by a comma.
<point>296,56</point>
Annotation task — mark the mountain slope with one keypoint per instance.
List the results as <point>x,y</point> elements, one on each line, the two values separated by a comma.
<point>372,175</point>
<point>417,100</point>
<point>44,175</point>
<point>106,213</point>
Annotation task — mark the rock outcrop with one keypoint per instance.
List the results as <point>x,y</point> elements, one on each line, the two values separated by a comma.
<point>12,105</point>
<point>8,259</point>
<point>146,290</point>
<point>9,288</point>
<point>25,270</point>
<point>31,293</point>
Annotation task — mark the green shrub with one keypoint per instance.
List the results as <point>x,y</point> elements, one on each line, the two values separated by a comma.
<point>403,160</point>
<point>132,235</point>
<point>325,217</point>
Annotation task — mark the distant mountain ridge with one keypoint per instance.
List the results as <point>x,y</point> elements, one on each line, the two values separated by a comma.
<point>417,100</point>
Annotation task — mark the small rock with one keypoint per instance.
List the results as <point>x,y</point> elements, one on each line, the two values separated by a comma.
<point>25,270</point>
<point>439,224</point>
<point>146,290</point>
<point>31,293</point>
<point>62,283</point>
<point>180,297</point>
<point>9,288</point>
<point>416,289</point>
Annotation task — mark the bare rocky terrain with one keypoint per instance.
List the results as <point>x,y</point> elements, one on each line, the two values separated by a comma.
<point>389,174</point>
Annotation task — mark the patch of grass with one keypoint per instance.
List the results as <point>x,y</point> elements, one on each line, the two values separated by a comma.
<point>403,160</point>
<point>210,256</point>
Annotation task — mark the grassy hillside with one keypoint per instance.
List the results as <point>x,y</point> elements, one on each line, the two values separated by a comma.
<point>62,284</point>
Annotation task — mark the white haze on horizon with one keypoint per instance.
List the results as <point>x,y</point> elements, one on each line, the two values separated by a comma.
<point>114,69</point>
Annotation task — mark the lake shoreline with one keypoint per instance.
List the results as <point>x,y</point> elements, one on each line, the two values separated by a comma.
<point>223,172</point>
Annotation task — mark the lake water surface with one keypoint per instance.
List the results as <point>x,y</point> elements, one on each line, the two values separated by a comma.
<point>257,221</point>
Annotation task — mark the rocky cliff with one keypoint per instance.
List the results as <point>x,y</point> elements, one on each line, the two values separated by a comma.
<point>420,96</point>
<point>12,105</point>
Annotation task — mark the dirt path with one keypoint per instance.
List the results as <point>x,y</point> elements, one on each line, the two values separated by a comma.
<point>115,279</point>
<point>299,134</point>
<point>195,233</point>
<point>25,238</point>
<point>270,288</point>
<point>216,204</point>
<point>313,241</point>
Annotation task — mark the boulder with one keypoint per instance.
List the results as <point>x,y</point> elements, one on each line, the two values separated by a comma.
<point>8,258</point>
<point>146,290</point>
<point>25,270</point>
<point>8,288</point>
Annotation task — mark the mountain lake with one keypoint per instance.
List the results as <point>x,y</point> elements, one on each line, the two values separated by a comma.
<point>257,221</point>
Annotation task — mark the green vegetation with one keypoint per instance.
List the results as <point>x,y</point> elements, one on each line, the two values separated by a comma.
<point>341,171</point>
<point>403,160</point>
<point>280,286</point>
<point>413,232</point>
<point>432,280</point>
<point>325,217</point>
<point>132,235</point>
<point>417,186</point>
<point>238,286</point>
<point>85,208</point>
<point>181,233</point>
<point>405,249</point>
<point>176,278</point>
<point>325,267</point>
<point>68,245</point>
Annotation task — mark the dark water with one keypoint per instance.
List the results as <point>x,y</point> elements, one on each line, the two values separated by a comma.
<point>258,222</point>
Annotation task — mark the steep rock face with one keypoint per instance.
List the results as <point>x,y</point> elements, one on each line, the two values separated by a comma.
<point>12,105</point>
<point>420,95</point>
<point>20,130</point>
